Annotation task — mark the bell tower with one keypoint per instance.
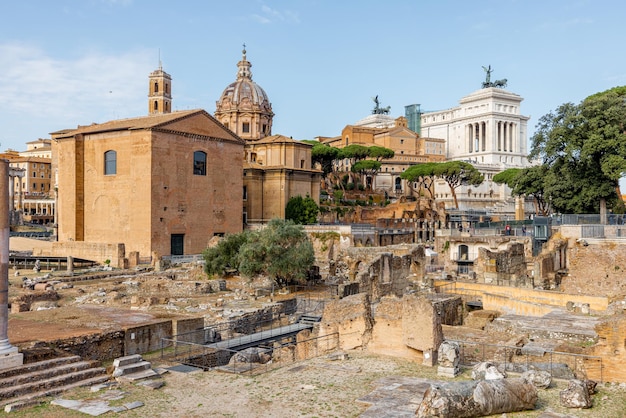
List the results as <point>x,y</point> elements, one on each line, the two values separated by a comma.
<point>159,92</point>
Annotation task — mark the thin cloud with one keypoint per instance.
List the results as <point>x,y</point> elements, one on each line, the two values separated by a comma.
<point>269,15</point>
<point>91,88</point>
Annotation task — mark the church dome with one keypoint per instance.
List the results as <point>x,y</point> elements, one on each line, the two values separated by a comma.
<point>244,106</point>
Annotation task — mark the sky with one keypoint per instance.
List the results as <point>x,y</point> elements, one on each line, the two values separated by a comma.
<point>75,62</point>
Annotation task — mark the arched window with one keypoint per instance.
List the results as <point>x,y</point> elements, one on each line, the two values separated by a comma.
<point>110,163</point>
<point>463,252</point>
<point>199,163</point>
<point>156,105</point>
<point>156,87</point>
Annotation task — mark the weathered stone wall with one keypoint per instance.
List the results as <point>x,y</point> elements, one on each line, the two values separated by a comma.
<point>407,326</point>
<point>507,266</point>
<point>422,326</point>
<point>384,271</point>
<point>521,301</point>
<point>611,348</point>
<point>23,303</point>
<point>449,309</point>
<point>189,330</point>
<point>101,347</point>
<point>146,338</point>
<point>602,276</point>
<point>250,322</point>
<point>351,318</point>
<point>388,330</point>
<point>95,251</point>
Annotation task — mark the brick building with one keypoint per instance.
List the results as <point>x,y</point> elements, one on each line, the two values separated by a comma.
<point>161,184</point>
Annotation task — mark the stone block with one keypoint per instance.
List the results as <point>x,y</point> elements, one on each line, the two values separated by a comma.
<point>11,359</point>
<point>126,360</point>
<point>448,371</point>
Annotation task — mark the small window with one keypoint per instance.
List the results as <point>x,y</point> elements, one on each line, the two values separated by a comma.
<point>245,192</point>
<point>156,87</point>
<point>110,163</point>
<point>34,186</point>
<point>199,163</point>
<point>245,128</point>
<point>156,105</point>
<point>34,174</point>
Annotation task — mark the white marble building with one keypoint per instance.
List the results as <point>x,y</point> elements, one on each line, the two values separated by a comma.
<point>488,130</point>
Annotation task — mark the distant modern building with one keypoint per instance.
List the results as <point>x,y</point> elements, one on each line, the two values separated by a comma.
<point>161,184</point>
<point>276,167</point>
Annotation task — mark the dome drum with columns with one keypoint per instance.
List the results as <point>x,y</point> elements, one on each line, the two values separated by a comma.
<point>244,107</point>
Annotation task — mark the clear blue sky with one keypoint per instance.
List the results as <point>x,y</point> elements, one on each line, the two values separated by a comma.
<point>70,62</point>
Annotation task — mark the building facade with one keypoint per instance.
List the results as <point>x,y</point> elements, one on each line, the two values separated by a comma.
<point>276,167</point>
<point>32,194</point>
<point>163,184</point>
<point>385,131</point>
<point>487,130</point>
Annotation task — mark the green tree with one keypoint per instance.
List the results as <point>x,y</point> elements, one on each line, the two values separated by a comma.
<point>282,250</point>
<point>584,150</point>
<point>324,155</point>
<point>353,152</point>
<point>301,210</point>
<point>380,153</point>
<point>529,182</point>
<point>457,173</point>
<point>423,175</point>
<point>225,255</point>
<point>366,168</point>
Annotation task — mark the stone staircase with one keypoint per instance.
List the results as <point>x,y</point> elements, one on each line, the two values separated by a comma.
<point>48,377</point>
<point>309,319</point>
<point>133,367</point>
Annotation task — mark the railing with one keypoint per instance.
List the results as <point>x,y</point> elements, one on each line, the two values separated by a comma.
<point>183,259</point>
<point>433,268</point>
<point>41,234</point>
<point>466,257</point>
<point>251,361</point>
<point>518,359</point>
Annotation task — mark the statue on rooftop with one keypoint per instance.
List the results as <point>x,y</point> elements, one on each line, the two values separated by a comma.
<point>380,110</point>
<point>488,70</point>
<point>488,83</point>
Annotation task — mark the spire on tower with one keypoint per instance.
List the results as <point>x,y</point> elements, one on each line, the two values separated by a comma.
<point>244,66</point>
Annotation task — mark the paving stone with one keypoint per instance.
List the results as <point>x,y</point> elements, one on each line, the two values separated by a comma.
<point>133,405</point>
<point>153,383</point>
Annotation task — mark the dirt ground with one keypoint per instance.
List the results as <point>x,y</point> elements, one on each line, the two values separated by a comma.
<point>314,388</point>
<point>318,387</point>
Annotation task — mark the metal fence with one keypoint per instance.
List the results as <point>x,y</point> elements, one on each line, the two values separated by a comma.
<point>253,361</point>
<point>560,365</point>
